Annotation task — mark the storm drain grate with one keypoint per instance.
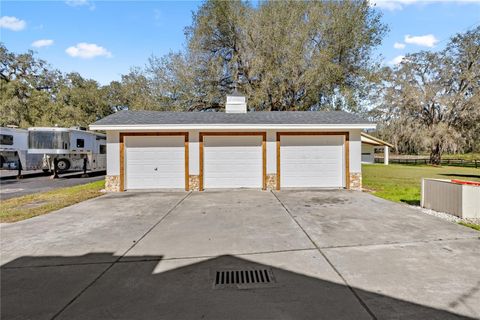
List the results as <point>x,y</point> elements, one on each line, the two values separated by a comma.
<point>244,278</point>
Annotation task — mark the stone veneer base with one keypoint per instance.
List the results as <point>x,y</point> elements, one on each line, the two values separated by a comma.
<point>112,183</point>
<point>194,182</point>
<point>271,181</point>
<point>356,181</point>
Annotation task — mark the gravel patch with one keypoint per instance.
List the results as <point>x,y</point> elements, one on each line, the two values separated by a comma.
<point>445,216</point>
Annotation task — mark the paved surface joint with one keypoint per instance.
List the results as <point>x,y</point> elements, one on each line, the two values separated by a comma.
<point>364,305</point>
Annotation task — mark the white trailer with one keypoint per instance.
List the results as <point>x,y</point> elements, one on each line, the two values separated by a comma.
<point>67,148</point>
<point>14,150</point>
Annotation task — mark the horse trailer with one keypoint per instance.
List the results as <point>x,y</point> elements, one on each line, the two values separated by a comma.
<point>67,148</point>
<point>14,150</point>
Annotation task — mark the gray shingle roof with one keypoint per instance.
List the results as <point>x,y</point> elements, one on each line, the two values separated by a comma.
<point>274,117</point>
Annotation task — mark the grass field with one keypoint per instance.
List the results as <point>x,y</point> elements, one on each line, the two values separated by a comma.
<point>401,183</point>
<point>32,205</point>
<point>466,156</point>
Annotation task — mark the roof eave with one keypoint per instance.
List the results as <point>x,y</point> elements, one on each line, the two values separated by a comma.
<point>378,141</point>
<point>131,127</point>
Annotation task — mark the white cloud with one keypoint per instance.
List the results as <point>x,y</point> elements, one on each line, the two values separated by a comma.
<point>42,43</point>
<point>76,3</point>
<point>393,5</point>
<point>85,50</point>
<point>12,23</point>
<point>80,3</point>
<point>397,60</point>
<point>387,5</point>
<point>427,40</point>
<point>399,45</point>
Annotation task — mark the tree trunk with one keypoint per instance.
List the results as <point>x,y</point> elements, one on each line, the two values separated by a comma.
<point>436,155</point>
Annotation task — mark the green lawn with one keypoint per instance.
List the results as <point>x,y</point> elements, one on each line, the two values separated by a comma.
<point>32,205</point>
<point>471,225</point>
<point>401,183</point>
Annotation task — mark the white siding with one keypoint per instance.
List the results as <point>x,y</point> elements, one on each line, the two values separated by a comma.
<point>113,153</point>
<point>367,153</point>
<point>355,151</point>
<point>154,162</point>
<point>312,161</point>
<point>194,153</point>
<point>271,152</point>
<point>232,162</point>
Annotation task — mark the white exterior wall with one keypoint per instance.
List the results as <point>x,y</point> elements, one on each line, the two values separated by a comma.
<point>355,151</point>
<point>113,153</point>
<point>193,152</point>
<point>271,152</point>
<point>368,148</point>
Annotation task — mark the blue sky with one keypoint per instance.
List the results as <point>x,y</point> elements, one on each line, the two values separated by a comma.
<point>103,39</point>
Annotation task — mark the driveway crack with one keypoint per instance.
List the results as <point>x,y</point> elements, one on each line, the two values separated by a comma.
<point>362,303</point>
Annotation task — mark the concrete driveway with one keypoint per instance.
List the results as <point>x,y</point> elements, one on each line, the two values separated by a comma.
<point>330,254</point>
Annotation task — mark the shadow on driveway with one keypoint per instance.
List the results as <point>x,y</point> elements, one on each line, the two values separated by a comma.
<point>152,288</point>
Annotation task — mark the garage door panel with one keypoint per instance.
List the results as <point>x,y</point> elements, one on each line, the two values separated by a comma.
<point>233,162</point>
<point>312,161</point>
<point>221,157</point>
<point>154,162</point>
<point>226,142</point>
<point>155,154</point>
<point>146,142</point>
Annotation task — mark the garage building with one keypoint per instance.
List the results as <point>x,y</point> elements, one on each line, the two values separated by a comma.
<point>232,149</point>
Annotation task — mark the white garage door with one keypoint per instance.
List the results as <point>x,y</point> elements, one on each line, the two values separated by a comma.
<point>312,161</point>
<point>154,162</point>
<point>232,162</point>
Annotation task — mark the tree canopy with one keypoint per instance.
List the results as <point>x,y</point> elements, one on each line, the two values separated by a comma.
<point>34,94</point>
<point>431,101</point>
<point>283,55</point>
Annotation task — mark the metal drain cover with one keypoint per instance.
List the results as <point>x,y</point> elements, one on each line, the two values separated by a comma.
<point>243,278</point>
